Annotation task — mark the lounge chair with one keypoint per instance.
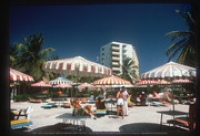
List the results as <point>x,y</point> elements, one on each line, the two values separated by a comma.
<point>66,105</point>
<point>83,100</point>
<point>49,105</point>
<point>165,103</point>
<point>101,108</point>
<point>23,122</point>
<point>26,112</point>
<point>35,100</point>
<point>155,103</point>
<point>130,104</point>
<point>20,123</point>
<point>189,123</point>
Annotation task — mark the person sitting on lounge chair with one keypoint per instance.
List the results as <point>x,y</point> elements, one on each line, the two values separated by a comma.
<point>100,104</point>
<point>143,98</point>
<point>78,110</point>
<point>91,97</point>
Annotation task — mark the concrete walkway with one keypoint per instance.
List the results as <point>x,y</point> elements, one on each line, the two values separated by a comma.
<point>141,118</point>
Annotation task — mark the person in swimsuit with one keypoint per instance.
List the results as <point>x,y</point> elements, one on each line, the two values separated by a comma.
<point>120,102</point>
<point>78,108</point>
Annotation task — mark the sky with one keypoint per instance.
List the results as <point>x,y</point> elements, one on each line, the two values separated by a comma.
<point>80,30</point>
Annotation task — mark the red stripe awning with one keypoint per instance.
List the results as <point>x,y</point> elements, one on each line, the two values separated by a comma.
<point>182,81</point>
<point>17,76</point>
<point>65,85</point>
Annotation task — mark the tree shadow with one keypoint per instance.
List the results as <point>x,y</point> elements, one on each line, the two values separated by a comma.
<point>148,128</point>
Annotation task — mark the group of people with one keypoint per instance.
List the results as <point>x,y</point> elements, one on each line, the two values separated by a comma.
<point>139,98</point>
<point>121,98</point>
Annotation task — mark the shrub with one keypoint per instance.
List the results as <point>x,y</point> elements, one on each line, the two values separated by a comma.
<point>107,94</point>
<point>21,97</point>
<point>78,94</point>
<point>55,95</point>
<point>177,92</point>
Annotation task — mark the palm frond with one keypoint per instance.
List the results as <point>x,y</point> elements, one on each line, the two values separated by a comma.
<point>178,34</point>
<point>54,57</point>
<point>187,41</point>
<point>12,58</point>
<point>189,20</point>
<point>183,55</point>
<point>46,52</point>
<point>176,45</point>
<point>174,53</point>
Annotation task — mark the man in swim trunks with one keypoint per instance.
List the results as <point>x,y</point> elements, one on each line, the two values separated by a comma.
<point>120,102</point>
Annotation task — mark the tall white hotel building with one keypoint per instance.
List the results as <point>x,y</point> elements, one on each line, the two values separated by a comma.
<point>113,53</point>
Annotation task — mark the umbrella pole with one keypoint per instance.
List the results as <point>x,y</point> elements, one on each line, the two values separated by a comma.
<point>71,92</point>
<point>148,94</point>
<point>76,83</point>
<point>173,107</point>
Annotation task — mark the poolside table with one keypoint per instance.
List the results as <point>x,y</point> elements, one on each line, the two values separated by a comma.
<point>170,113</point>
<point>111,102</point>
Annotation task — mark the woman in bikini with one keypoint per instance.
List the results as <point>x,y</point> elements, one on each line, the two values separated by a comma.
<point>120,102</point>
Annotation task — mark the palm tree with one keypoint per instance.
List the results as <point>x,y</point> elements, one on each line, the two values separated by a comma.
<point>185,42</point>
<point>32,56</point>
<point>13,55</point>
<point>51,74</point>
<point>129,70</point>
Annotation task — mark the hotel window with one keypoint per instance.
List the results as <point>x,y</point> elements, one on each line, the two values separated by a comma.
<point>102,49</point>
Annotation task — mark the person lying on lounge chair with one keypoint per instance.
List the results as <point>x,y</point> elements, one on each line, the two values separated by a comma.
<point>78,110</point>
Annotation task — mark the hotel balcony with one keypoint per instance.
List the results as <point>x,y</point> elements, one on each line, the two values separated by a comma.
<point>115,64</point>
<point>114,44</point>
<point>115,68</point>
<point>114,48</point>
<point>115,58</point>
<point>115,53</point>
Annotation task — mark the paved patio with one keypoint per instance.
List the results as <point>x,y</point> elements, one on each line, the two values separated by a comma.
<point>141,119</point>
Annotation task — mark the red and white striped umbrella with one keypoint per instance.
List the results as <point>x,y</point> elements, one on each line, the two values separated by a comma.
<point>178,81</point>
<point>112,80</point>
<point>16,76</point>
<point>146,82</point>
<point>41,84</point>
<point>165,82</point>
<point>151,82</point>
<point>65,85</point>
<point>77,66</point>
<point>60,80</point>
<point>85,85</point>
<point>170,70</point>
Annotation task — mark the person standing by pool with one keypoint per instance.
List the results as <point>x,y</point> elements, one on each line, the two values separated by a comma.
<point>125,97</point>
<point>120,102</point>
